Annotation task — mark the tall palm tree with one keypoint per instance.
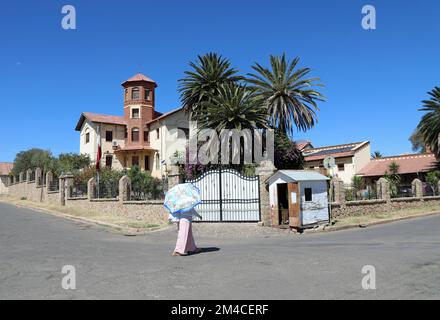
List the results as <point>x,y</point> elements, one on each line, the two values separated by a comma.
<point>288,96</point>
<point>233,107</point>
<point>208,73</point>
<point>429,126</point>
<point>376,155</point>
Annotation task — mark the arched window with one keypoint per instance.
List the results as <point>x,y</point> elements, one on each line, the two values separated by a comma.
<point>126,94</point>
<point>135,134</point>
<point>157,161</point>
<point>135,93</point>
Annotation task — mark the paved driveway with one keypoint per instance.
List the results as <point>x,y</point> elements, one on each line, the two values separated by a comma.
<point>34,247</point>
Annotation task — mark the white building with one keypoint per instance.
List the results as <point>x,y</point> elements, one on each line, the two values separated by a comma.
<point>142,136</point>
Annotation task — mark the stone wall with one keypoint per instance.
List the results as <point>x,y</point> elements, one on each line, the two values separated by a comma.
<point>384,203</point>
<point>146,211</point>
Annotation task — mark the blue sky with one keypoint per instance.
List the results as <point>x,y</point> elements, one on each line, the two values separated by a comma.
<point>374,80</point>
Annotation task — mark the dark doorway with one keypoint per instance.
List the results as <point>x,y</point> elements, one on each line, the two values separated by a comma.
<point>283,204</point>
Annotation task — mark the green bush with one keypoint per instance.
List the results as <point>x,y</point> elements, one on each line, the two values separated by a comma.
<point>144,186</point>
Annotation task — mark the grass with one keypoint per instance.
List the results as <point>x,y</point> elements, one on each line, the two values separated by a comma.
<point>112,220</point>
<point>383,216</point>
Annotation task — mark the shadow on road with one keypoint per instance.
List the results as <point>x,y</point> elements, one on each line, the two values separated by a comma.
<point>206,250</point>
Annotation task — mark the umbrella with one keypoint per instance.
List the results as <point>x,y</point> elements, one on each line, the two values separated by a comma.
<point>182,198</point>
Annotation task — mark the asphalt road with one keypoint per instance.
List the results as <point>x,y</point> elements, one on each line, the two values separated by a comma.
<point>35,246</point>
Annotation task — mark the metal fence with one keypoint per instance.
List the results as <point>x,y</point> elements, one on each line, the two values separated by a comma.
<point>370,193</point>
<point>78,190</point>
<point>401,191</point>
<point>54,185</point>
<point>429,190</point>
<point>154,191</point>
<point>32,176</point>
<point>107,190</point>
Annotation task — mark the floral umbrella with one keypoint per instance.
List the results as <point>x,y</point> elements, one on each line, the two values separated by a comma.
<point>182,198</point>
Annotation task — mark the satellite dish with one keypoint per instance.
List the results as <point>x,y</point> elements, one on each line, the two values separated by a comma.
<point>329,163</point>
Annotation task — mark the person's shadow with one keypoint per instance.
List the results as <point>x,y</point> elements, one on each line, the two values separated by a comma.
<point>206,250</point>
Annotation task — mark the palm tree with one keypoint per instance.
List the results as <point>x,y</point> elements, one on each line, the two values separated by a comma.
<point>233,107</point>
<point>288,97</point>
<point>209,72</point>
<point>429,126</point>
<point>376,155</point>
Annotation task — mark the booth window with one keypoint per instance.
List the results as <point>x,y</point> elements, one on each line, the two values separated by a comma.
<point>308,194</point>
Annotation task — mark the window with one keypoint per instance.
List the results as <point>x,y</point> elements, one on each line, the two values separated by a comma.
<point>135,93</point>
<point>146,137</point>
<point>87,137</point>
<point>108,161</point>
<point>109,136</point>
<point>308,194</point>
<point>135,161</point>
<point>135,113</point>
<point>126,133</point>
<point>135,134</point>
<point>157,133</point>
<point>126,94</point>
<point>147,163</point>
<point>341,167</point>
<point>147,94</point>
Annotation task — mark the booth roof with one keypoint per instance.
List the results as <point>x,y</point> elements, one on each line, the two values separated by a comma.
<point>298,175</point>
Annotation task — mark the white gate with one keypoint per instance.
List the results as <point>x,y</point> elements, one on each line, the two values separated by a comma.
<point>228,196</point>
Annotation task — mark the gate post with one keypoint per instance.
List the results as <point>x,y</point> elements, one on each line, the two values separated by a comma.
<point>174,177</point>
<point>264,172</point>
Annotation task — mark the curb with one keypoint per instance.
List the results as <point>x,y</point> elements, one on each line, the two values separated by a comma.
<point>370,224</point>
<point>127,231</point>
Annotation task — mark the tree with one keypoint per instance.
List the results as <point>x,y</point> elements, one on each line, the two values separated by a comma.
<point>288,96</point>
<point>71,162</point>
<point>376,155</point>
<point>143,185</point>
<point>32,159</point>
<point>357,183</point>
<point>233,107</point>
<point>433,178</point>
<point>286,153</point>
<point>429,126</point>
<point>418,145</point>
<point>393,177</point>
<point>201,83</point>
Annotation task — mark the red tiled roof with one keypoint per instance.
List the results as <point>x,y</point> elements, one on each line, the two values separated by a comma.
<point>99,118</point>
<point>337,151</point>
<point>5,168</point>
<point>412,163</point>
<point>302,144</point>
<point>139,77</point>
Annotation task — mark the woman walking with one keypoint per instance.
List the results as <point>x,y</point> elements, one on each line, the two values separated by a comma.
<point>185,239</point>
<point>180,202</point>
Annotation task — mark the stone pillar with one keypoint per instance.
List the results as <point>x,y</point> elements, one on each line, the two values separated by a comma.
<point>38,179</point>
<point>265,171</point>
<point>68,183</point>
<point>91,185</point>
<point>124,189</point>
<point>417,188</point>
<point>62,191</point>
<point>383,189</point>
<point>174,176</point>
<point>338,190</point>
<point>28,175</point>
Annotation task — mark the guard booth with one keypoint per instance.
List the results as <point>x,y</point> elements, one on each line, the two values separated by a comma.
<point>299,198</point>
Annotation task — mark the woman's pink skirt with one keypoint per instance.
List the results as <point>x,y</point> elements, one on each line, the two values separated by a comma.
<point>185,240</point>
